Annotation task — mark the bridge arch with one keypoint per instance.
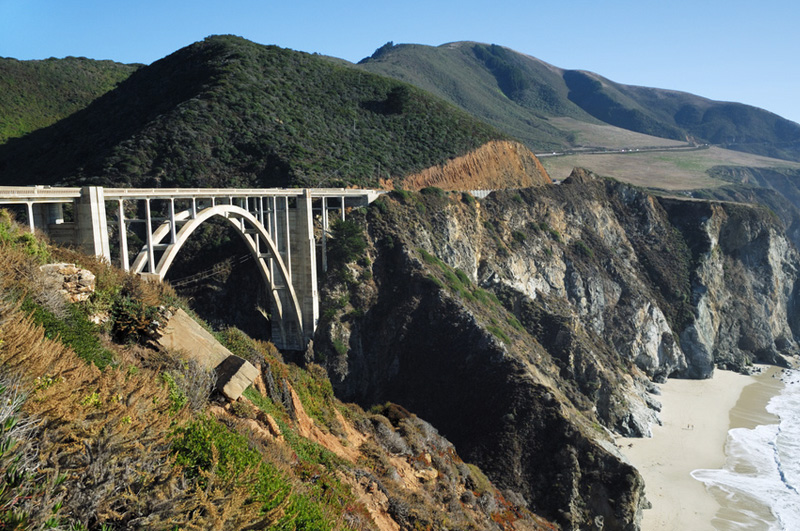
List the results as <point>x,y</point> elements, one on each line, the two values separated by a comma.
<point>274,272</point>
<point>263,217</point>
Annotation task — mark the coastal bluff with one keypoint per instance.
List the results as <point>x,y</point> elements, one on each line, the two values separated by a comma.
<point>531,327</point>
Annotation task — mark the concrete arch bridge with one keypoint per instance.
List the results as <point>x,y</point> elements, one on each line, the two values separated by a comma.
<point>276,224</point>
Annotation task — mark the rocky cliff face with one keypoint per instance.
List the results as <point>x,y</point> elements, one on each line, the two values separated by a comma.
<point>529,326</point>
<point>744,287</point>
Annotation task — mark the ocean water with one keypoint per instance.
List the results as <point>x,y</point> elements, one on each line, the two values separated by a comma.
<point>760,481</point>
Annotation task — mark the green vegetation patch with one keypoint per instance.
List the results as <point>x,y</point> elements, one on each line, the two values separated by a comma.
<point>499,334</point>
<point>583,249</point>
<point>14,235</point>
<point>459,283</point>
<point>204,444</point>
<point>348,243</point>
<point>73,329</point>
<point>35,94</point>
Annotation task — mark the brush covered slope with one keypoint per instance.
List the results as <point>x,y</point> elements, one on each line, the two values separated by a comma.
<point>518,94</point>
<point>101,429</point>
<point>35,94</point>
<point>229,112</point>
<point>528,327</point>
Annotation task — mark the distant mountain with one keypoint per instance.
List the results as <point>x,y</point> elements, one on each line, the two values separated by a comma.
<point>229,112</point>
<point>511,91</point>
<point>519,94</point>
<point>35,94</point>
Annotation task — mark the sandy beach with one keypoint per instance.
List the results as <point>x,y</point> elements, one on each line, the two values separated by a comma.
<point>696,417</point>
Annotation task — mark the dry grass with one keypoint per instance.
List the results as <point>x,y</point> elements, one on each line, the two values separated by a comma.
<point>96,444</point>
<point>609,136</point>
<point>102,444</point>
<point>107,431</point>
<point>666,170</point>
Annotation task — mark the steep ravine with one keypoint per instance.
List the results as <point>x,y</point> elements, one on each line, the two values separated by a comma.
<point>529,326</point>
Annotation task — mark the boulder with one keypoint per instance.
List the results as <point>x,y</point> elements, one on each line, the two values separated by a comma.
<point>75,283</point>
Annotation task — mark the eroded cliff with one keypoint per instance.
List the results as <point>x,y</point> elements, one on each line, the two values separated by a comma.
<point>530,326</point>
<point>496,164</point>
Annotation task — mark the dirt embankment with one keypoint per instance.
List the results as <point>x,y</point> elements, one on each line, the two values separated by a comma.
<point>496,165</point>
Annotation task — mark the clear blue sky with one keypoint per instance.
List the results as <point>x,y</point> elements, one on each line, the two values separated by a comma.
<point>733,50</point>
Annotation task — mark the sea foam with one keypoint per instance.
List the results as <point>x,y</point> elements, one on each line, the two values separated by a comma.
<point>762,467</point>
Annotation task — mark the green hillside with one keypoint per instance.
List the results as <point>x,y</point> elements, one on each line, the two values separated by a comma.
<point>679,115</point>
<point>520,95</point>
<point>511,91</point>
<point>35,94</point>
<point>229,112</point>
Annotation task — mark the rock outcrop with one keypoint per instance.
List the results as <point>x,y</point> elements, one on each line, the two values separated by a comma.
<point>529,326</point>
<point>75,284</point>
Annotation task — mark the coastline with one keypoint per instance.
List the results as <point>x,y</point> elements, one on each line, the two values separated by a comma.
<point>696,416</point>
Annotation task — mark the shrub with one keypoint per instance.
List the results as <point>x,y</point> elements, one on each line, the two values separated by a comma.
<point>349,243</point>
<point>339,346</point>
<point>132,320</point>
<point>433,191</point>
<point>404,195</point>
<point>380,205</point>
<point>583,249</point>
<point>190,383</point>
<point>177,397</point>
<point>551,231</point>
<point>15,235</point>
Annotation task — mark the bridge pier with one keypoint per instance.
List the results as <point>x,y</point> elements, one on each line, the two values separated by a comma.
<point>303,264</point>
<point>91,226</point>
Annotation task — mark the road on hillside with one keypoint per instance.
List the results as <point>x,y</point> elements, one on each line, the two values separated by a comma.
<point>688,147</point>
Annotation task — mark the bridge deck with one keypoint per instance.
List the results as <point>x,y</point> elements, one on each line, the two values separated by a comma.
<point>45,194</point>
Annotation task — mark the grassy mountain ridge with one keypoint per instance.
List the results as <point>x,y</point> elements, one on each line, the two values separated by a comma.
<point>736,126</point>
<point>229,112</point>
<point>518,94</point>
<point>35,94</point>
<point>473,76</point>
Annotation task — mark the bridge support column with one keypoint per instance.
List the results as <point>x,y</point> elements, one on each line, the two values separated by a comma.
<point>91,228</point>
<point>304,264</point>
